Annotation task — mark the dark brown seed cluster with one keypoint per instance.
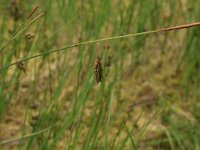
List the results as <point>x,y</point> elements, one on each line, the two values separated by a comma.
<point>15,10</point>
<point>35,114</point>
<point>21,66</point>
<point>98,70</point>
<point>29,36</point>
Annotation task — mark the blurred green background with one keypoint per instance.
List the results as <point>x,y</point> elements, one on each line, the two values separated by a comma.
<point>148,98</point>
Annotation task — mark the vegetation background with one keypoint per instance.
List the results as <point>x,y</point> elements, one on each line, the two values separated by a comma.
<point>149,95</point>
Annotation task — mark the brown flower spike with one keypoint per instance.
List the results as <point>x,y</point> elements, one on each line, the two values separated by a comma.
<point>21,66</point>
<point>98,70</point>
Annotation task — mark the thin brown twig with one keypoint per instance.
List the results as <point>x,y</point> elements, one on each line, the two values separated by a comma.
<point>33,11</point>
<point>180,27</point>
<point>97,40</point>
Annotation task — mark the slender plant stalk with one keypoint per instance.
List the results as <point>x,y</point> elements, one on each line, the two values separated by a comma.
<point>130,136</point>
<point>21,31</point>
<point>108,122</point>
<point>33,11</point>
<point>103,39</point>
<point>25,136</point>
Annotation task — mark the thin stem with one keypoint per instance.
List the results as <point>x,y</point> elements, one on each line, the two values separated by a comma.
<point>26,136</point>
<point>130,136</point>
<point>105,39</point>
<point>20,32</point>
<point>34,9</point>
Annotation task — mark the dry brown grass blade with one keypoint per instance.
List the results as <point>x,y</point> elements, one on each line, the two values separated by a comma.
<point>100,40</point>
<point>180,27</point>
<point>32,11</point>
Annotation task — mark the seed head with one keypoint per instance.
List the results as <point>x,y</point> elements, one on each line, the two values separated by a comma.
<point>29,36</point>
<point>98,70</point>
<point>21,66</point>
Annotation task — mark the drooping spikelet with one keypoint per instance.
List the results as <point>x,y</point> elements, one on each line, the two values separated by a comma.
<point>98,70</point>
<point>21,66</point>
